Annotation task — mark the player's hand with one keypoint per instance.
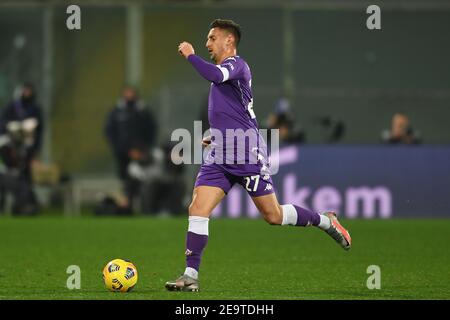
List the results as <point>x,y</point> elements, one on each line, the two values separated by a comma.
<point>186,49</point>
<point>206,141</point>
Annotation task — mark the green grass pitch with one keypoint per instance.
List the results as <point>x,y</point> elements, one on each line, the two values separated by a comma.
<point>244,259</point>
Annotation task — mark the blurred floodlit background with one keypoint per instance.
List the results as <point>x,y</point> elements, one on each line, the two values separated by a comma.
<point>319,55</point>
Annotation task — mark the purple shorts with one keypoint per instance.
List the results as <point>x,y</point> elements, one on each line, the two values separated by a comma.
<point>214,175</point>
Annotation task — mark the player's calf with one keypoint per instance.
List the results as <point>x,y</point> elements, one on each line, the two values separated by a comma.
<point>269,208</point>
<point>298,216</point>
<point>273,217</point>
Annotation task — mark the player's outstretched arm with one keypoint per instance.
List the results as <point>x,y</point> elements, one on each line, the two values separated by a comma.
<point>207,70</point>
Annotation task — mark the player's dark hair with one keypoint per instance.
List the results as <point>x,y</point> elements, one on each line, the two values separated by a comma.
<point>230,26</point>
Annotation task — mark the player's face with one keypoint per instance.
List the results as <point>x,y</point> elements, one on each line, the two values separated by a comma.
<point>217,43</point>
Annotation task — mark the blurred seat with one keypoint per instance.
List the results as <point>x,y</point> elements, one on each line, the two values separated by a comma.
<point>89,190</point>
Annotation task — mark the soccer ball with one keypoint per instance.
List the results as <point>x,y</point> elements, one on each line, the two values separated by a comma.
<point>120,275</point>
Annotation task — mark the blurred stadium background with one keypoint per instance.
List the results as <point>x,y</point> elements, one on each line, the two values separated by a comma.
<point>344,83</point>
<point>318,53</point>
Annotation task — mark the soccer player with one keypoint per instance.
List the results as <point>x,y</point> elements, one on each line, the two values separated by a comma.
<point>230,106</point>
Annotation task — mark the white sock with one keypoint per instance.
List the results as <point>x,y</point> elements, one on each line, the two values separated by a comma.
<point>325,222</point>
<point>191,272</point>
<point>199,225</point>
<point>289,215</point>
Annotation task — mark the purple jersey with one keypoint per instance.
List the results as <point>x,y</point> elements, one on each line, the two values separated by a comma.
<point>231,100</point>
<point>230,107</point>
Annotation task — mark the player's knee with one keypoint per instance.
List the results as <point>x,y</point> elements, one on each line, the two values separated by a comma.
<point>192,208</point>
<point>196,210</point>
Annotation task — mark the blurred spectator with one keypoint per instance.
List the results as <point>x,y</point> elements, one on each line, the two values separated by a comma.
<point>21,126</point>
<point>129,124</point>
<point>333,129</point>
<point>283,120</point>
<point>401,131</point>
<point>160,182</point>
